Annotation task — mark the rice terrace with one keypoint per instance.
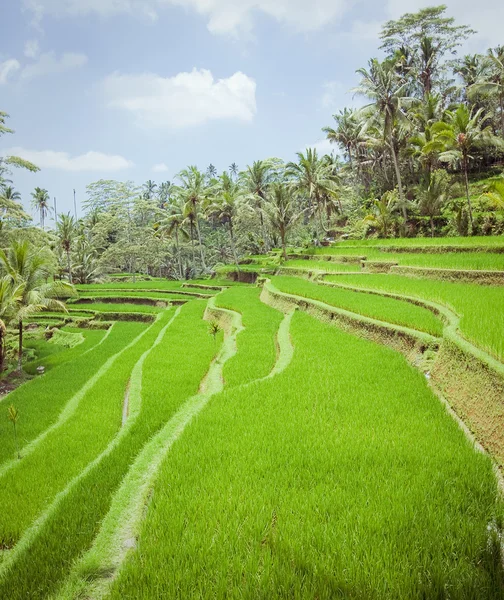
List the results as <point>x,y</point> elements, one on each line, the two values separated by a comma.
<point>283,380</point>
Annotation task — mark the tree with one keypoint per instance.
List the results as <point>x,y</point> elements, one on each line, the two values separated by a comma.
<point>283,212</point>
<point>11,295</point>
<point>12,161</point>
<point>211,171</point>
<point>66,230</point>
<point>492,81</point>
<point>40,202</point>
<point>29,268</point>
<point>149,189</point>
<point>173,224</point>
<point>224,207</point>
<point>464,131</point>
<point>346,133</point>
<point>233,170</point>
<point>193,191</point>
<point>256,181</point>
<point>389,100</point>
<point>382,215</point>
<point>427,36</point>
<point>314,179</point>
<point>433,195</point>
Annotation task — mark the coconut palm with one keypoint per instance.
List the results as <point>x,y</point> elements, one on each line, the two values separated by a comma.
<point>224,207</point>
<point>29,268</point>
<point>390,99</point>
<point>193,191</point>
<point>40,202</point>
<point>256,181</point>
<point>66,231</point>
<point>233,170</point>
<point>433,195</point>
<point>11,295</point>
<point>492,81</point>
<point>173,225</point>
<point>283,212</point>
<point>346,133</point>
<point>382,215</point>
<point>149,189</point>
<point>314,179</point>
<point>464,131</point>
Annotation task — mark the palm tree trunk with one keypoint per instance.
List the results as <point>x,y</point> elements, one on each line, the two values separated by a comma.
<point>202,253</point>
<point>20,347</point>
<point>466,182</point>
<point>432,226</point>
<point>2,353</point>
<point>178,254</point>
<point>233,248</point>
<point>284,248</point>
<point>193,250</point>
<point>263,227</point>
<point>501,102</point>
<point>69,263</point>
<point>398,177</point>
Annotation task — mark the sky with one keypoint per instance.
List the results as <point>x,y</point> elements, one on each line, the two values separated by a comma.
<point>140,89</point>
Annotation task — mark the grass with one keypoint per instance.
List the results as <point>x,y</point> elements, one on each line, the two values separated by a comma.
<point>341,477</point>
<point>256,344</point>
<point>32,482</point>
<point>321,265</point>
<point>495,240</point>
<point>171,373</point>
<point>448,260</point>
<point>161,284</point>
<point>41,400</point>
<point>114,307</point>
<point>480,307</point>
<point>383,309</point>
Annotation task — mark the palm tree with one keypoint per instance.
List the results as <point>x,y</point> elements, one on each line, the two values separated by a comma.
<point>41,203</point>
<point>433,195</point>
<point>382,216</point>
<point>495,193</point>
<point>193,191</point>
<point>164,192</point>
<point>233,170</point>
<point>66,229</point>
<point>492,81</point>
<point>211,171</point>
<point>11,295</point>
<point>28,268</point>
<point>256,181</point>
<point>390,98</point>
<point>173,224</point>
<point>346,133</point>
<point>314,178</point>
<point>10,206</point>
<point>282,211</point>
<point>224,207</point>
<point>464,130</point>
<point>149,189</point>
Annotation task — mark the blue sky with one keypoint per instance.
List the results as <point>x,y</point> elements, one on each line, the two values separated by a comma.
<point>139,89</point>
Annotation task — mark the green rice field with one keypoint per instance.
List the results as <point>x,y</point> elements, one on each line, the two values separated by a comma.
<point>231,446</point>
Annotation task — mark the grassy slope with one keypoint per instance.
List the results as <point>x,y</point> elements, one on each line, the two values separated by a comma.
<point>33,481</point>
<point>342,477</point>
<point>256,344</point>
<point>40,400</point>
<point>171,373</point>
<point>321,265</point>
<point>480,307</point>
<point>383,309</point>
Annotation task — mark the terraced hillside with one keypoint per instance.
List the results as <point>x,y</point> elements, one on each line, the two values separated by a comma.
<point>316,435</point>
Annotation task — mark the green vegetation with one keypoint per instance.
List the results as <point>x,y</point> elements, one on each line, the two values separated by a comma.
<point>292,502</point>
<point>480,307</point>
<point>170,373</point>
<point>41,400</point>
<point>256,343</point>
<point>383,309</point>
<point>321,265</point>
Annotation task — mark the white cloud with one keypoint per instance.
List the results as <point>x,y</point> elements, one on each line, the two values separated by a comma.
<point>31,49</point>
<point>90,161</point>
<point>7,68</point>
<point>185,100</point>
<point>49,63</point>
<point>223,16</point>
<point>160,168</point>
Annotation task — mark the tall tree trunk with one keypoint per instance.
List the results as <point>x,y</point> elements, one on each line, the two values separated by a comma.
<point>20,346</point>
<point>233,247</point>
<point>193,250</point>
<point>501,103</point>
<point>398,177</point>
<point>69,262</point>
<point>432,226</point>
<point>2,351</point>
<point>178,254</point>
<point>202,253</point>
<point>466,182</point>
<point>263,226</point>
<point>284,247</point>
